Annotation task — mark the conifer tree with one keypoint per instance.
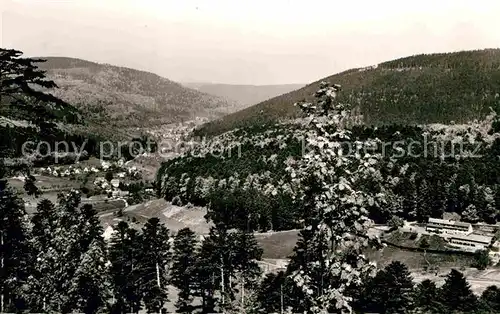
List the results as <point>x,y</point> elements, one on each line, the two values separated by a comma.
<point>184,269</point>
<point>20,91</point>
<point>424,207</point>
<point>14,250</point>
<point>276,293</point>
<point>427,297</point>
<point>90,286</point>
<point>390,291</point>
<point>246,253</point>
<point>491,299</point>
<point>207,275</point>
<point>69,272</point>
<point>43,222</point>
<point>153,264</point>
<point>124,258</point>
<point>217,269</point>
<point>456,294</point>
<point>22,98</point>
<point>410,201</point>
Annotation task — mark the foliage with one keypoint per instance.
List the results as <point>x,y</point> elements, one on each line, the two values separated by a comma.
<point>21,80</point>
<point>491,298</point>
<point>482,259</point>
<point>154,260</point>
<point>427,88</point>
<point>390,291</point>
<point>184,269</point>
<point>395,222</point>
<point>456,294</point>
<point>427,297</point>
<point>335,189</point>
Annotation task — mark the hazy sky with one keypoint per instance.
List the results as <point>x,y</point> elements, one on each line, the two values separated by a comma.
<point>246,41</point>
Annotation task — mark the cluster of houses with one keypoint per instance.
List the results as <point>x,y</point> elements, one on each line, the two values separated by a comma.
<point>72,170</point>
<point>462,235</point>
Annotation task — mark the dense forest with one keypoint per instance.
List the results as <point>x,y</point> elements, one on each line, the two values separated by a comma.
<point>449,169</point>
<point>428,88</point>
<point>58,261</point>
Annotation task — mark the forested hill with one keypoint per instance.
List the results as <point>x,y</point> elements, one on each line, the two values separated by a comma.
<point>129,97</point>
<point>427,88</point>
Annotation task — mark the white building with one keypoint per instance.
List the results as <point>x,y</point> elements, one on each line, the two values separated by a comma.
<point>105,165</point>
<point>473,241</point>
<point>448,226</point>
<point>115,183</point>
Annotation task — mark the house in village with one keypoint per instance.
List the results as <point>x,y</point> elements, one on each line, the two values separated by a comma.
<point>448,226</point>
<point>115,183</point>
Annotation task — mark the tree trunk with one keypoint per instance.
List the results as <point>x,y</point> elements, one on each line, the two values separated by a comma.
<point>281,297</point>
<point>1,267</point>
<point>243,292</point>
<point>222,280</point>
<point>158,274</point>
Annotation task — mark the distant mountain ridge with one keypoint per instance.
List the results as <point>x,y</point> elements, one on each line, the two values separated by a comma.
<point>244,94</point>
<point>129,97</point>
<point>421,89</point>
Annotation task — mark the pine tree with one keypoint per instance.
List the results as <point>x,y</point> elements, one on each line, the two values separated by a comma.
<point>124,259</point>
<point>391,291</point>
<point>438,200</point>
<point>424,207</point>
<point>207,275</point>
<point>22,98</point>
<point>184,269</point>
<point>90,286</point>
<point>456,294</point>
<point>451,190</point>
<point>246,253</point>
<point>491,298</point>
<point>217,269</point>
<point>69,272</point>
<point>43,222</point>
<point>153,264</point>
<point>15,251</point>
<point>20,90</point>
<point>427,297</point>
<point>410,201</point>
<point>275,293</point>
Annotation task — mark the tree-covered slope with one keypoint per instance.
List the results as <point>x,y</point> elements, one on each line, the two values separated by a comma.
<point>129,97</point>
<point>432,88</point>
<point>425,171</point>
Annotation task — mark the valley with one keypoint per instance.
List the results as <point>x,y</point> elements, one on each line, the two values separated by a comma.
<point>216,206</point>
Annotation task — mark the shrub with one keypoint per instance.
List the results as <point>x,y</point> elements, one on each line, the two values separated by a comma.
<point>177,201</point>
<point>481,259</point>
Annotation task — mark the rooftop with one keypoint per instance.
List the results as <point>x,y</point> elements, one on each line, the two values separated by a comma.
<point>473,237</point>
<point>449,222</point>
